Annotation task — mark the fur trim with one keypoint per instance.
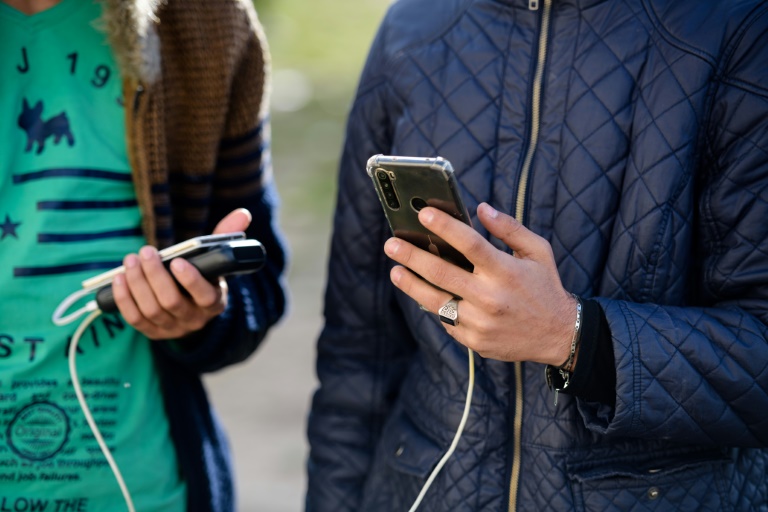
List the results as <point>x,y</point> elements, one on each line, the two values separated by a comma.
<point>131,28</point>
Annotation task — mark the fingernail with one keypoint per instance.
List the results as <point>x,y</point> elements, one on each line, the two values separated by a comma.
<point>391,246</point>
<point>247,214</point>
<point>426,216</point>
<point>147,252</point>
<point>179,265</point>
<point>396,275</point>
<point>489,210</point>
<point>118,280</point>
<point>131,261</point>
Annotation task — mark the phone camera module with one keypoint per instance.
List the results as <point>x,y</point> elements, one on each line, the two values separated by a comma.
<point>388,189</point>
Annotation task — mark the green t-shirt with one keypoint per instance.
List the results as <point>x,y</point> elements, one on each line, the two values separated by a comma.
<point>68,211</point>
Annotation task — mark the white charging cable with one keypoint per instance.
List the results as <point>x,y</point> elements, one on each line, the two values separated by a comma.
<point>92,308</point>
<point>456,437</point>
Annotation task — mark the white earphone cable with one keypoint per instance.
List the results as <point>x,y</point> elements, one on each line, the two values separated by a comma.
<point>456,437</point>
<point>86,410</point>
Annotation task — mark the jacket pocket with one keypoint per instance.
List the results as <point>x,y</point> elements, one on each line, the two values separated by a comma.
<point>404,458</point>
<point>409,450</point>
<point>695,485</point>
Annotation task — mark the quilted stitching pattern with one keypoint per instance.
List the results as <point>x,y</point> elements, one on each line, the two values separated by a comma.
<point>650,182</point>
<point>675,494</point>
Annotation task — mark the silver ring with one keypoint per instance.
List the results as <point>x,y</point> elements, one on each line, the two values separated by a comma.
<point>449,313</point>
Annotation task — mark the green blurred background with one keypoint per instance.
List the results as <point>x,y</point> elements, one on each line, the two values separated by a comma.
<point>318,50</point>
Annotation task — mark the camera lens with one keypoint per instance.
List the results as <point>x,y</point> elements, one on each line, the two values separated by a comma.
<point>418,203</point>
<point>387,189</point>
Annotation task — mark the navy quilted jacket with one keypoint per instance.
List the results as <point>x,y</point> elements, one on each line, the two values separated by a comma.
<point>648,174</point>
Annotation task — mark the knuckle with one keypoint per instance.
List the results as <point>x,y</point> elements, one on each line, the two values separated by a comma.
<point>218,307</point>
<point>471,342</point>
<point>491,305</point>
<point>513,226</point>
<point>209,301</point>
<point>476,245</point>
<point>550,254</point>
<point>172,302</point>
<point>484,332</point>
<point>497,309</point>
<point>543,249</point>
<point>152,267</point>
<point>154,313</point>
<point>439,274</point>
<point>405,254</point>
<point>541,244</point>
<point>152,334</point>
<point>196,323</point>
<point>134,319</point>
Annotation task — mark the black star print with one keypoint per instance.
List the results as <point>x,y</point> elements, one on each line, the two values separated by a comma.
<point>8,228</point>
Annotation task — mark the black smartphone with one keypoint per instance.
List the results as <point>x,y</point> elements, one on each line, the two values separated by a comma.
<point>407,184</point>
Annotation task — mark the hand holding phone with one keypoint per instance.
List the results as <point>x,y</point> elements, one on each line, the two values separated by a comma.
<point>213,255</point>
<point>165,304</point>
<point>405,185</point>
<point>187,249</point>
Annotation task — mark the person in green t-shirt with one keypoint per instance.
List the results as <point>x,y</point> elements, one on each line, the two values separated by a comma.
<point>128,126</point>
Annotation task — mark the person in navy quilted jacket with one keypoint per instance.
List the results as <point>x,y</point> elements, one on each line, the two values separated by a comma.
<point>614,159</point>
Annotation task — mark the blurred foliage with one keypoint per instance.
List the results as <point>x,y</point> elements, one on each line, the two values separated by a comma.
<point>326,42</point>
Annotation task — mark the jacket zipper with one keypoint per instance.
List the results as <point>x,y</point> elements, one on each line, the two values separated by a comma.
<point>522,191</point>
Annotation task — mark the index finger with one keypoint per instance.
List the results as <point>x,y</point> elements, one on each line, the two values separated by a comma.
<point>202,292</point>
<point>460,236</point>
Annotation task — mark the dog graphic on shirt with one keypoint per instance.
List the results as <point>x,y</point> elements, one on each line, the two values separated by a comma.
<point>31,121</point>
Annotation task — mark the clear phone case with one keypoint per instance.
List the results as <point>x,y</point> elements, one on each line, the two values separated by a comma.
<point>405,185</point>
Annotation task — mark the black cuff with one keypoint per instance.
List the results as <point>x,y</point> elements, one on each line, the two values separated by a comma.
<point>594,378</point>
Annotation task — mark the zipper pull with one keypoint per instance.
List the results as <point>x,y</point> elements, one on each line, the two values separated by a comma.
<point>533,5</point>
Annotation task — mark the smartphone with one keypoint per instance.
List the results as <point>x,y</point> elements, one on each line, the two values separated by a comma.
<point>187,249</point>
<point>407,184</point>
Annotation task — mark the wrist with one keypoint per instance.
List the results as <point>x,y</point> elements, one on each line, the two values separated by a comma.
<point>567,317</point>
<point>572,345</point>
<point>558,377</point>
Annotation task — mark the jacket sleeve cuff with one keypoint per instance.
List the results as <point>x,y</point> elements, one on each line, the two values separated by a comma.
<point>594,378</point>
<point>619,416</point>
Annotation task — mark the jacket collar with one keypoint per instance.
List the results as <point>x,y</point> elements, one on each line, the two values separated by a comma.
<point>131,28</point>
